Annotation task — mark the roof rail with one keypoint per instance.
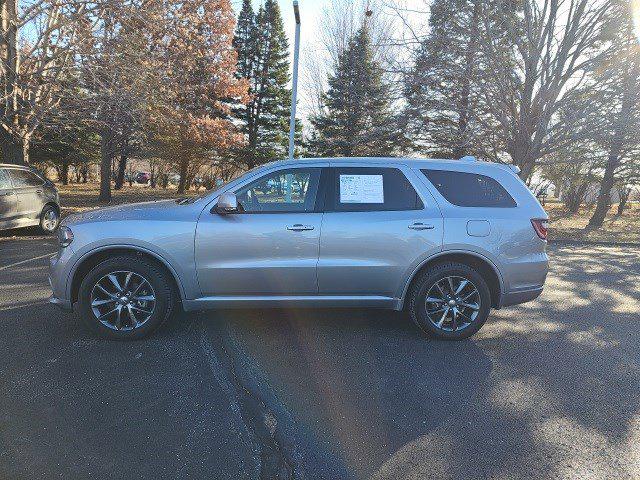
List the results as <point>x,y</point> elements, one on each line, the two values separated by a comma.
<point>468,158</point>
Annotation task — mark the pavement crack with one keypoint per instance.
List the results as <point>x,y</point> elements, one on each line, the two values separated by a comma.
<point>275,461</point>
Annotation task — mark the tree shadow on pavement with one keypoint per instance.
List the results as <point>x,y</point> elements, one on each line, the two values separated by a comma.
<point>545,390</point>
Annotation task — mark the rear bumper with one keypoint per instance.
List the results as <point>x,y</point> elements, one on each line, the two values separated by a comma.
<point>521,296</point>
<point>64,305</point>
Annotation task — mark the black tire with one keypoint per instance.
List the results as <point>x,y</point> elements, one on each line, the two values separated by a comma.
<point>156,276</point>
<point>49,219</point>
<point>417,305</point>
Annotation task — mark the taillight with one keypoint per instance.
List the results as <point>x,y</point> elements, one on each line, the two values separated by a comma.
<point>541,226</point>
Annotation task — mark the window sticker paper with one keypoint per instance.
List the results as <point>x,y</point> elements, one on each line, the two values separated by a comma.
<point>361,189</point>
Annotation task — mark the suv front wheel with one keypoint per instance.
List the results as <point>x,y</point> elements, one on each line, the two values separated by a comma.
<point>449,301</point>
<point>125,298</point>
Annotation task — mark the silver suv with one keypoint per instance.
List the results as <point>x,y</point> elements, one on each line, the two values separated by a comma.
<point>445,240</point>
<point>27,199</point>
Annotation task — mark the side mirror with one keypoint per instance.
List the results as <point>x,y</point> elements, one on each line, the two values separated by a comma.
<point>227,203</point>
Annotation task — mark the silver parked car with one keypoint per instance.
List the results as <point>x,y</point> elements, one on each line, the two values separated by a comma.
<point>445,240</point>
<point>27,199</point>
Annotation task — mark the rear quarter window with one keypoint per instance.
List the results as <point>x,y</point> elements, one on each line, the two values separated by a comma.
<point>469,189</point>
<point>24,178</point>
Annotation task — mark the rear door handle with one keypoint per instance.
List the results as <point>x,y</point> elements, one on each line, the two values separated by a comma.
<point>421,226</point>
<point>298,227</point>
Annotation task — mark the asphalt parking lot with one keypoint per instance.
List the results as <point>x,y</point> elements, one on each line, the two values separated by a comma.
<point>550,389</point>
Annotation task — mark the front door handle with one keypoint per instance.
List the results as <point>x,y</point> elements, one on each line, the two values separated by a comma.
<point>298,227</point>
<point>38,192</point>
<point>421,226</point>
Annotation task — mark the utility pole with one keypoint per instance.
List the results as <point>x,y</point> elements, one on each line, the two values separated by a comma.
<point>294,96</point>
<point>294,88</point>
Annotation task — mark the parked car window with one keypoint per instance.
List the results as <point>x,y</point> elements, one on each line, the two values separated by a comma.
<point>4,180</point>
<point>369,189</point>
<point>469,189</point>
<point>24,178</point>
<point>291,190</point>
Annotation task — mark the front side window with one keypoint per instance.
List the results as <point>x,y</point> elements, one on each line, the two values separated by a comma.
<point>284,191</point>
<point>24,178</point>
<point>369,189</point>
<point>4,180</point>
<point>469,189</point>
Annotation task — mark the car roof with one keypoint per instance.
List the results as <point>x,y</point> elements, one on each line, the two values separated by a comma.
<point>469,164</point>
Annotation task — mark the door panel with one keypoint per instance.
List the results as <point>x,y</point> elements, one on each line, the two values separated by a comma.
<point>8,201</point>
<point>270,247</point>
<point>31,197</point>
<point>257,254</point>
<point>370,252</point>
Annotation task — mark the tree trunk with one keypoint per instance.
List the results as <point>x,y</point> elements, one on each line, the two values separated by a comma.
<point>184,169</point>
<point>623,193</point>
<point>13,149</point>
<point>464,110</point>
<point>122,166</point>
<point>154,174</point>
<point>608,179</point>
<point>106,151</point>
<point>64,173</point>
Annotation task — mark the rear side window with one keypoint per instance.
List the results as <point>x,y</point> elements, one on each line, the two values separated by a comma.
<point>4,180</point>
<point>368,189</point>
<point>469,189</point>
<point>24,178</point>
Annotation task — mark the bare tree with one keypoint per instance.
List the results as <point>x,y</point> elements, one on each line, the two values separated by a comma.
<point>618,131</point>
<point>37,40</point>
<point>545,59</point>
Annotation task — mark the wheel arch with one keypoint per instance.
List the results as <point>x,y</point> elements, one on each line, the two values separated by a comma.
<point>94,257</point>
<point>481,263</point>
<point>51,204</point>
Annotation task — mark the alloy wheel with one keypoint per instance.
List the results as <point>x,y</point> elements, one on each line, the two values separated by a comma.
<point>123,300</point>
<point>50,220</point>
<point>452,303</point>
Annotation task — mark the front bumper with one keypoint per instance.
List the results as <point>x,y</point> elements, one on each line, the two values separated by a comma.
<point>64,305</point>
<point>59,265</point>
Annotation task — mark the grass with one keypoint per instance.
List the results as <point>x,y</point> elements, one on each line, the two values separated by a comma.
<point>617,229</point>
<point>84,196</point>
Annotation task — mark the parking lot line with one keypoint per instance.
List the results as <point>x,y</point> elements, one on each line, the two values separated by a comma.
<point>22,262</point>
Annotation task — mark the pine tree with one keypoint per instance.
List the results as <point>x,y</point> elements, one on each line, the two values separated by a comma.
<point>356,118</point>
<point>244,41</point>
<point>443,87</point>
<point>263,56</point>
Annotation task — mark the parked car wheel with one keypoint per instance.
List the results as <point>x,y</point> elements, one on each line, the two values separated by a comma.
<point>449,301</point>
<point>125,298</point>
<point>49,219</point>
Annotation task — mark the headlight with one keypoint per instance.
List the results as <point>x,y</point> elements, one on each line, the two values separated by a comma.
<point>65,236</point>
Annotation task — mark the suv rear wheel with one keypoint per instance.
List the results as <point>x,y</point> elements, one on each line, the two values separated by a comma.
<point>125,298</point>
<point>449,301</point>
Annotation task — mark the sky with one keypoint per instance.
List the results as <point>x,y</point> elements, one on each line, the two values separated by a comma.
<point>312,9</point>
<point>413,11</point>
